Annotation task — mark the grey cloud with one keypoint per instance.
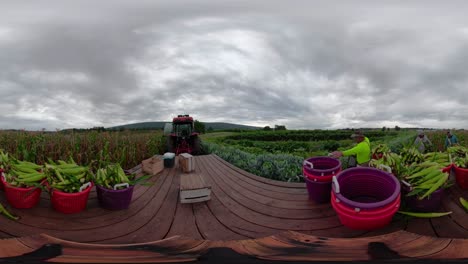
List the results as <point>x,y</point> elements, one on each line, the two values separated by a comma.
<point>306,64</point>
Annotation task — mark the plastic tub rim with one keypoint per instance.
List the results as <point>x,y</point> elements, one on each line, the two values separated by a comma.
<point>368,205</point>
<point>322,172</point>
<point>72,194</point>
<point>115,191</point>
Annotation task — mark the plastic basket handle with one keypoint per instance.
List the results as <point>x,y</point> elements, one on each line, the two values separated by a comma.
<point>407,184</point>
<point>309,164</point>
<point>120,185</point>
<point>382,166</point>
<point>84,186</point>
<point>337,185</point>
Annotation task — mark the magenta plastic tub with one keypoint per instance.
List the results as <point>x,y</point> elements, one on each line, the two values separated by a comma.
<point>114,199</point>
<point>318,173</point>
<point>321,166</point>
<point>366,188</point>
<point>358,219</point>
<point>429,204</point>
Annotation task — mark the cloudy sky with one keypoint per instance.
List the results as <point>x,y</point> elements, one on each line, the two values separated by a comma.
<point>303,64</point>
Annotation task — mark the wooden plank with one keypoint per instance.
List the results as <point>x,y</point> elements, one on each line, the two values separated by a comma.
<point>394,226</point>
<point>184,223</point>
<point>420,226</point>
<point>265,220</point>
<point>165,251</point>
<point>197,197</point>
<point>193,188</point>
<point>456,249</point>
<point>153,165</point>
<point>187,162</point>
<point>336,232</point>
<point>235,223</point>
<point>258,178</point>
<point>12,247</point>
<point>210,227</point>
<point>263,204</point>
<point>451,202</point>
<point>288,193</point>
<point>393,239</point>
<point>192,181</point>
<point>4,235</point>
<point>446,227</point>
<point>423,247</point>
<point>162,214</point>
<point>285,246</point>
<point>272,248</point>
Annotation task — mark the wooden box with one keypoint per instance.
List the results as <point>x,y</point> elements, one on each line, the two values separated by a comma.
<point>187,162</point>
<point>193,188</point>
<point>153,165</point>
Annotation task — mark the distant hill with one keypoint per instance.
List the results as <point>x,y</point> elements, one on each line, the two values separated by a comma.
<point>160,125</point>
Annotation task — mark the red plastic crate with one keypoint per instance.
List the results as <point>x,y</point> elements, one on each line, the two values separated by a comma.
<point>70,203</point>
<point>365,219</point>
<point>462,177</point>
<point>21,197</point>
<point>1,181</point>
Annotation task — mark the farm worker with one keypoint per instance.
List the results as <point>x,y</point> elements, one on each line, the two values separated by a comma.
<point>422,141</point>
<point>450,140</point>
<point>361,152</point>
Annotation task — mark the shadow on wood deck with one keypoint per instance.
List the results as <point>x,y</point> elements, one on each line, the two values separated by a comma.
<point>247,214</point>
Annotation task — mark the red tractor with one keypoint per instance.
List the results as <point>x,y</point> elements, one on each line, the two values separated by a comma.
<point>182,137</point>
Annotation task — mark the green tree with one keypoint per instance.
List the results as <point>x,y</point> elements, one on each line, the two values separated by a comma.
<point>267,128</point>
<point>278,127</point>
<point>199,126</point>
<point>384,128</point>
<point>397,128</point>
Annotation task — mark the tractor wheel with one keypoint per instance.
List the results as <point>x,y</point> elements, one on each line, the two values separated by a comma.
<point>169,144</point>
<point>196,146</point>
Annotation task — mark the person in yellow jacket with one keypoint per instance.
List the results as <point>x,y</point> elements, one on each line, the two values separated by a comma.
<point>361,152</point>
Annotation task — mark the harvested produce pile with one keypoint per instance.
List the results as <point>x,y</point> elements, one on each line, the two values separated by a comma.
<point>66,176</point>
<point>111,175</point>
<point>425,178</point>
<point>423,174</point>
<point>20,173</point>
<point>459,156</point>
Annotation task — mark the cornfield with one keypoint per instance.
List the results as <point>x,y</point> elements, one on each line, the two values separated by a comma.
<point>438,138</point>
<point>128,148</point>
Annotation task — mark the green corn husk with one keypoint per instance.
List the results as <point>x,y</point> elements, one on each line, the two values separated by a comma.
<point>425,215</point>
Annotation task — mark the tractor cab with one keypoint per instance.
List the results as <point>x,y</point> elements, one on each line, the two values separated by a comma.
<point>183,138</point>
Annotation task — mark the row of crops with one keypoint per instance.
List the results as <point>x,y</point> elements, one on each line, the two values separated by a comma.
<point>305,143</point>
<point>249,150</point>
<point>127,148</point>
<point>306,135</point>
<point>278,155</point>
<point>281,167</point>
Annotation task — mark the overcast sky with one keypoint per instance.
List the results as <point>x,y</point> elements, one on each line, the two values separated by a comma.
<point>303,64</point>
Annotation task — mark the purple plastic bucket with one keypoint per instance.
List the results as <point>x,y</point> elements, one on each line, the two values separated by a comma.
<point>428,204</point>
<point>322,166</point>
<point>114,199</point>
<point>366,188</point>
<point>319,192</point>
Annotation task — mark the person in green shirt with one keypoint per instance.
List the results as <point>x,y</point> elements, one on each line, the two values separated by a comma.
<point>361,152</point>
